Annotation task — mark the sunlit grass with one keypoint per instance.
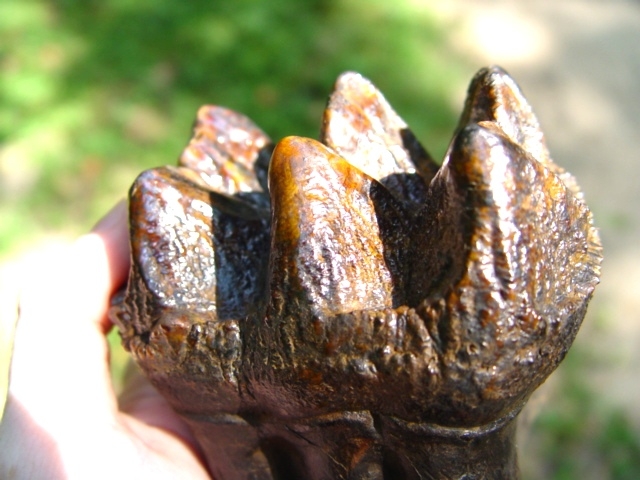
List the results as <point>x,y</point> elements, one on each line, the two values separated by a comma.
<point>95,92</point>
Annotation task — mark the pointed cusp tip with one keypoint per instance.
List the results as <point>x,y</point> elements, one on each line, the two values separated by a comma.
<point>474,145</point>
<point>495,71</point>
<point>288,152</point>
<point>354,82</point>
<point>349,76</point>
<point>293,147</point>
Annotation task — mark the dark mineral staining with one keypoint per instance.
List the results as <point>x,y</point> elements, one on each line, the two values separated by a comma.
<point>350,310</point>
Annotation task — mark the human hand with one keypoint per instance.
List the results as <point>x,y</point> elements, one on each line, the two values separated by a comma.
<point>62,417</point>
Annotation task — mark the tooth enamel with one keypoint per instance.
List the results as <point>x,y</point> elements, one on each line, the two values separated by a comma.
<point>360,125</point>
<point>326,238</point>
<point>390,319</point>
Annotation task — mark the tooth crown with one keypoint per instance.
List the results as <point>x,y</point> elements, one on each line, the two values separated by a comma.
<point>358,301</point>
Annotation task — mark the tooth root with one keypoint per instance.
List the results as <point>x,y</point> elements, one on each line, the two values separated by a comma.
<point>360,125</point>
<point>533,258</point>
<point>494,96</point>
<point>228,150</point>
<point>327,254</point>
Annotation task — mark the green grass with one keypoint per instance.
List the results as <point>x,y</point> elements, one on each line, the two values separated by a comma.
<point>93,92</point>
<point>577,435</point>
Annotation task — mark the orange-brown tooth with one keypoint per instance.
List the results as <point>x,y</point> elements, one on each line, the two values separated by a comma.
<point>360,125</point>
<point>228,151</point>
<point>327,250</point>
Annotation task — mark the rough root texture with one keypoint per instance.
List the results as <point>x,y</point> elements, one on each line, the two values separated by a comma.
<point>347,308</point>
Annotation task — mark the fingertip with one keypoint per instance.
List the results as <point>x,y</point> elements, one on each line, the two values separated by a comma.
<point>113,230</point>
<point>100,261</point>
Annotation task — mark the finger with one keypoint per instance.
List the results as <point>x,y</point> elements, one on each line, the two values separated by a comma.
<point>113,232</point>
<point>141,400</point>
<point>60,355</point>
<point>8,318</point>
<point>62,404</point>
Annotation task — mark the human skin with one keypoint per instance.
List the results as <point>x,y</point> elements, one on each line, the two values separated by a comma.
<point>63,418</point>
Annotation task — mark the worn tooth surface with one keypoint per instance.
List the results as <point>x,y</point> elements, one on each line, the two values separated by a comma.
<point>370,315</point>
<point>172,213</point>
<point>328,255</point>
<point>192,284</point>
<point>228,150</point>
<point>510,317</point>
<point>494,96</point>
<point>360,125</point>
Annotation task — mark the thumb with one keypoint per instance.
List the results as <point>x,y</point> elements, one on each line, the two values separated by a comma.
<point>60,360</point>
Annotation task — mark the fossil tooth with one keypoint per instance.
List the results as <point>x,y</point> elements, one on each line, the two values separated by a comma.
<point>510,311</point>
<point>228,150</point>
<point>360,125</point>
<point>327,249</point>
<point>356,311</point>
<point>494,96</point>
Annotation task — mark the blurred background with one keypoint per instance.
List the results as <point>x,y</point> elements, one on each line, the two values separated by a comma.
<point>93,92</point>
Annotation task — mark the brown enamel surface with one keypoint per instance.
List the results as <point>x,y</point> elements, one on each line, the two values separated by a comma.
<point>358,312</point>
<point>360,125</point>
<point>225,150</point>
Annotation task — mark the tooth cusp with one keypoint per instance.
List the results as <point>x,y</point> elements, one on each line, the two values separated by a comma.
<point>350,297</point>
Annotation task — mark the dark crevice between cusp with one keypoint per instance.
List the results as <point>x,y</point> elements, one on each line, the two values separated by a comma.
<point>393,225</point>
<point>241,239</point>
<point>424,247</point>
<point>285,459</point>
<point>261,166</point>
<point>424,162</point>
